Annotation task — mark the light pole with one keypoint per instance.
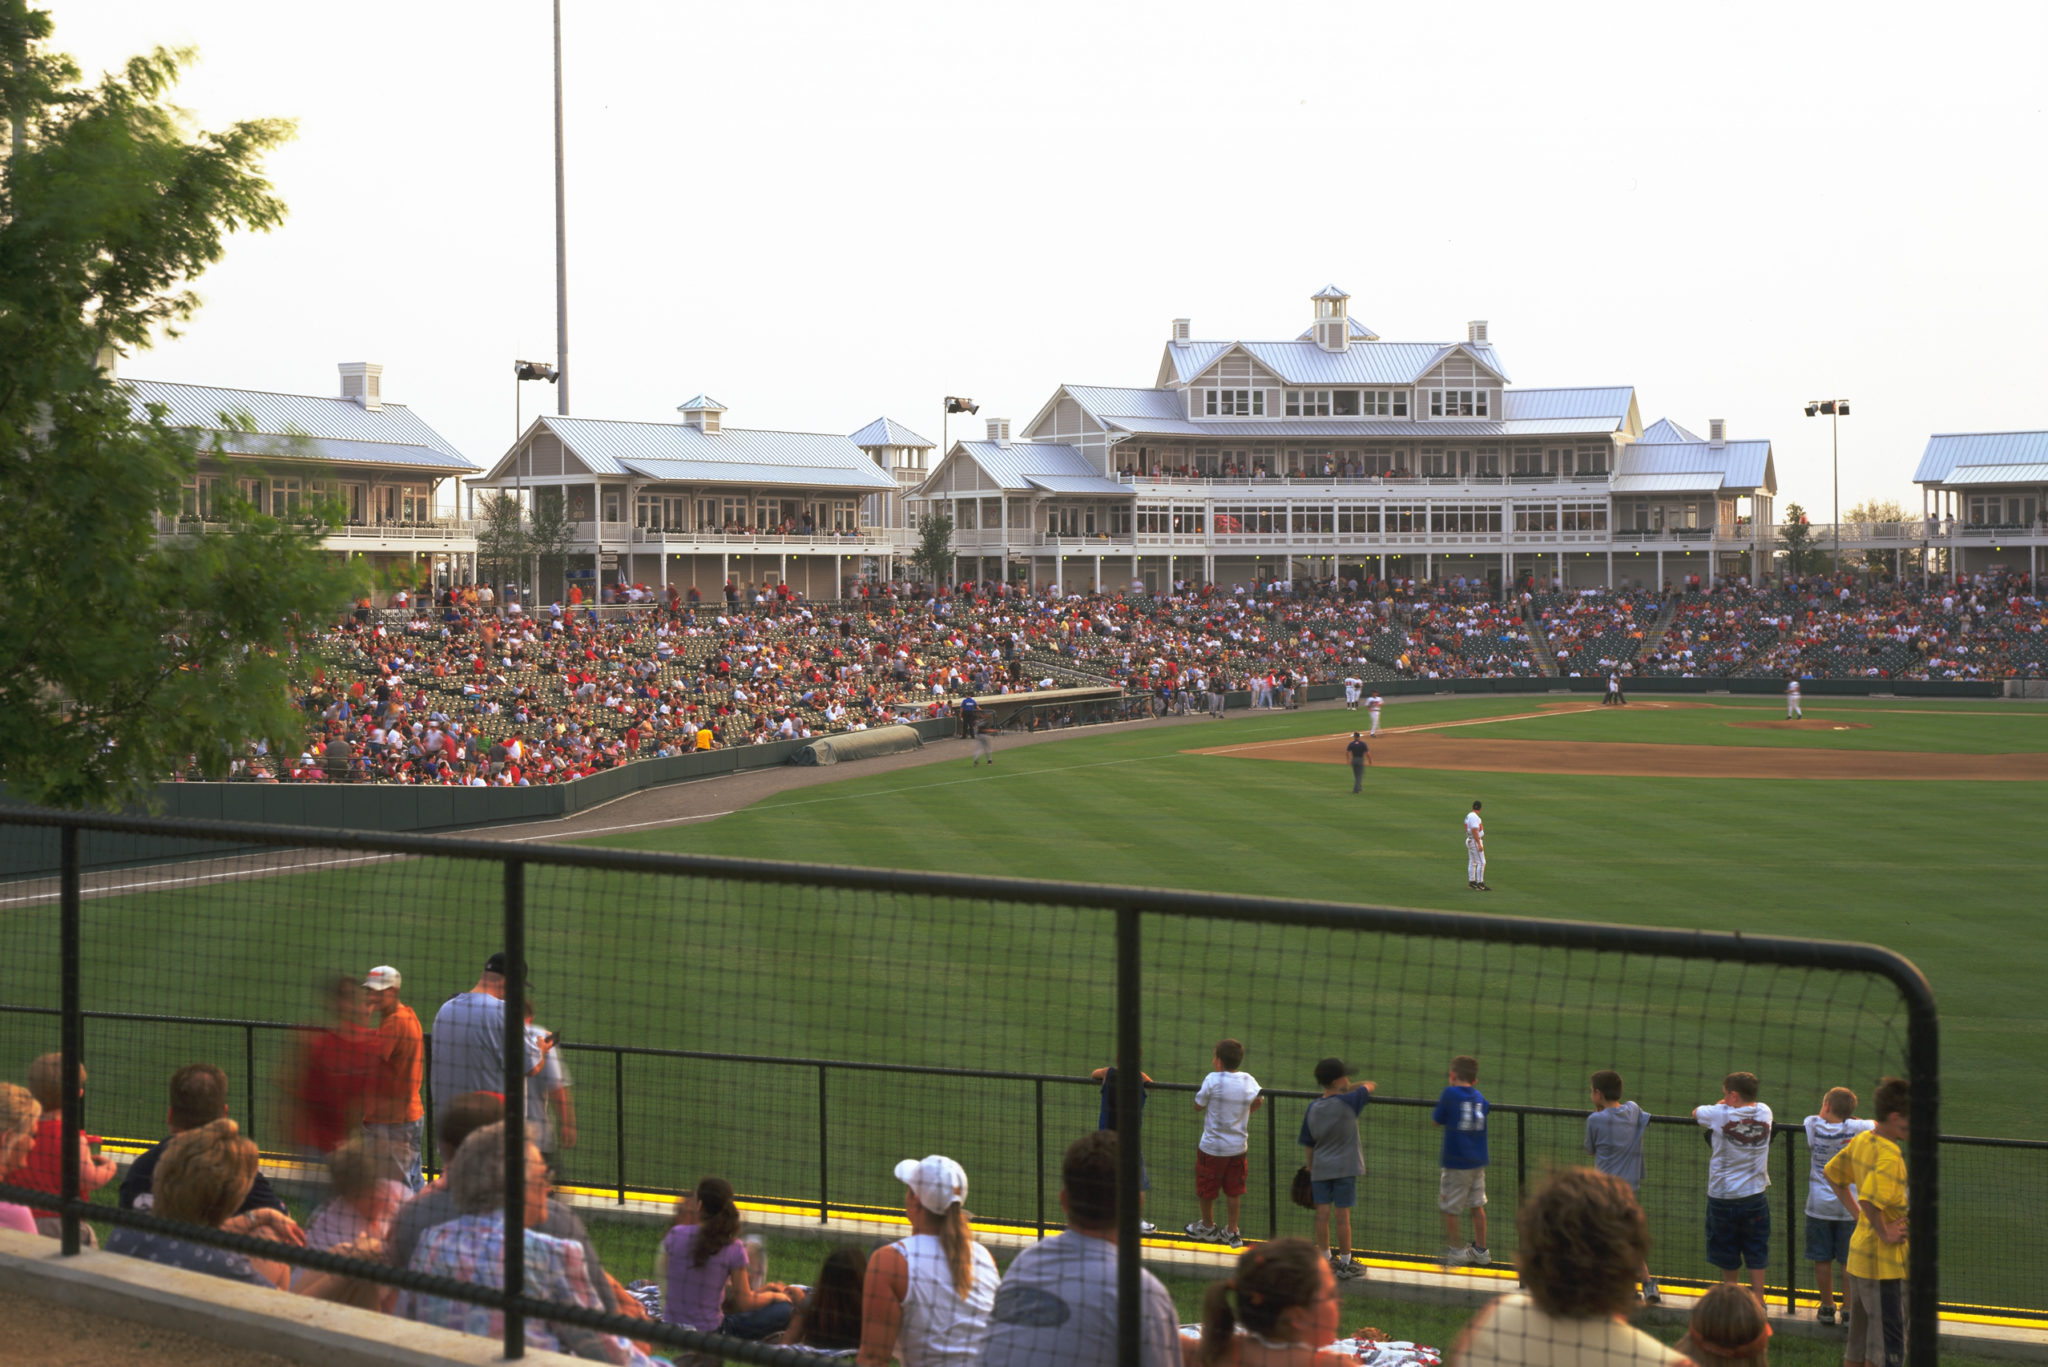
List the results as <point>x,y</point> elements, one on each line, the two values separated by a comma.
<point>956,404</point>
<point>561,237</point>
<point>521,372</point>
<point>1836,410</point>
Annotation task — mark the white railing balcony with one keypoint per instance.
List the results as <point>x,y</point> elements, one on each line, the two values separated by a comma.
<point>863,539</point>
<point>1915,531</point>
<point>444,532</point>
<point>1404,482</point>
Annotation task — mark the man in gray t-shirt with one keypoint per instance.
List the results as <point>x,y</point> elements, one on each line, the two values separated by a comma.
<point>469,1039</point>
<point>1056,1306</point>
<point>1336,1158</point>
<point>1614,1136</point>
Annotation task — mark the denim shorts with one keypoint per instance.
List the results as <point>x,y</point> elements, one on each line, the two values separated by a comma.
<point>1827,1241</point>
<point>1739,1232</point>
<point>1341,1192</point>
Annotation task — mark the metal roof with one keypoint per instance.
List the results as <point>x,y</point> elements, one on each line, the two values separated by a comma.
<point>701,404</point>
<point>260,447</point>
<point>2031,472</point>
<point>1740,464</point>
<point>1609,402</point>
<point>610,447</point>
<point>1329,292</point>
<point>1664,431</point>
<point>1947,451</point>
<point>1099,400</point>
<point>888,432</point>
<point>1079,484</point>
<point>1357,329</point>
<point>1690,482</point>
<point>1306,363</point>
<point>1017,465</point>
<point>202,406</point>
<point>751,472</point>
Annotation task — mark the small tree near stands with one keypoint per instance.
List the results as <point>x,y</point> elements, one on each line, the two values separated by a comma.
<point>549,538</point>
<point>1801,554</point>
<point>1880,510</point>
<point>128,651</point>
<point>934,554</point>
<point>500,537</point>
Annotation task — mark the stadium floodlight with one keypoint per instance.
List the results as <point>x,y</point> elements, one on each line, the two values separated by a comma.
<point>535,370</point>
<point>954,404</point>
<point>1836,410</point>
<point>959,405</point>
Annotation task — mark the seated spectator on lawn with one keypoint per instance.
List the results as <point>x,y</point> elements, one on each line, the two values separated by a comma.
<point>707,1270</point>
<point>199,1096</point>
<point>203,1178</point>
<point>435,1204</point>
<point>366,1196</point>
<point>1278,1309</point>
<point>829,1322</point>
<point>42,1166</point>
<point>19,1113</point>
<point>927,1298</point>
<point>1058,1302</point>
<point>1727,1326</point>
<point>1584,1242</point>
<point>471,1248</point>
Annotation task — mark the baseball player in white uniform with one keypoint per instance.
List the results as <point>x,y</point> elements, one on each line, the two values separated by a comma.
<point>1351,691</point>
<point>1475,851</point>
<point>1792,712</point>
<point>1372,710</point>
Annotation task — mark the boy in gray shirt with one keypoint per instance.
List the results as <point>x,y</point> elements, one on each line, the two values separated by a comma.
<point>1336,1158</point>
<point>1614,1136</point>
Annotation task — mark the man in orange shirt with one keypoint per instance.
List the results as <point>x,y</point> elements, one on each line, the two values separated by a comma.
<point>392,1114</point>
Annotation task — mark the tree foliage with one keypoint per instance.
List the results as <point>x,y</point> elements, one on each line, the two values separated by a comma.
<point>125,655</point>
<point>501,540</point>
<point>1796,535</point>
<point>549,539</point>
<point>1878,560</point>
<point>934,554</point>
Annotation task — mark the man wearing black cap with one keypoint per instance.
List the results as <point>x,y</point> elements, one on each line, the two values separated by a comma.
<point>469,1039</point>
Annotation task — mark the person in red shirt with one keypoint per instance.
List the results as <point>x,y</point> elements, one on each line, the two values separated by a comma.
<point>42,1169</point>
<point>336,1068</point>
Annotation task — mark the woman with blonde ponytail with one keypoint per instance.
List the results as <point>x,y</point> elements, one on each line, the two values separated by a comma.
<point>1279,1310</point>
<point>927,1298</point>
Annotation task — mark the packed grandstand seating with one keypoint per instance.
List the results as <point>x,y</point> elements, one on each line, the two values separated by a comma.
<point>453,692</point>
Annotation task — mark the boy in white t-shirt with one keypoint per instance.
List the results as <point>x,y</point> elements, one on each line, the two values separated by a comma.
<point>1226,1099</point>
<point>1738,1176</point>
<point>1828,1222</point>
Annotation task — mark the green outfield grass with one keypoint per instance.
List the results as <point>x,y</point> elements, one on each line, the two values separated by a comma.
<point>1878,724</point>
<point>1946,873</point>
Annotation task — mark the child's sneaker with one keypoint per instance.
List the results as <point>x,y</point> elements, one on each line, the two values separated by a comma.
<point>1232,1238</point>
<point>1651,1295</point>
<point>1345,1269</point>
<point>1206,1233</point>
<point>1454,1257</point>
<point>1147,1227</point>
<point>1827,1314</point>
<point>1478,1256</point>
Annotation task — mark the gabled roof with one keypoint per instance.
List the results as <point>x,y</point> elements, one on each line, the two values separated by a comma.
<point>1306,363</point>
<point>302,426</point>
<point>1530,413</point>
<point>1946,451</point>
<point>703,403</point>
<point>674,452</point>
<point>1664,431</point>
<point>1734,465</point>
<point>1027,465</point>
<point>1359,331</point>
<point>2031,472</point>
<point>888,432</point>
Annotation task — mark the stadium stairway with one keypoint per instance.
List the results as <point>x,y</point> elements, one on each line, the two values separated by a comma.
<point>1653,639</point>
<point>1539,642</point>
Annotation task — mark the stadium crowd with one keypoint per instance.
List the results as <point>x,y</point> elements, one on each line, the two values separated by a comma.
<point>462,690</point>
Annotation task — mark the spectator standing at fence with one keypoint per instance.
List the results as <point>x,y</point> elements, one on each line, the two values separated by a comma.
<point>1336,1158</point>
<point>1105,1119</point>
<point>1360,755</point>
<point>1738,1177</point>
<point>1461,1183</point>
<point>1870,1174</point>
<point>469,1038</point>
<point>41,1167</point>
<point>1227,1098</point>
<point>199,1096</point>
<point>1614,1136</point>
<point>1829,1224</point>
<point>928,1297</point>
<point>1278,1308</point>
<point>334,1073</point>
<point>1057,1306</point>
<point>550,1109</point>
<point>393,1118</point>
<point>1583,1240</point>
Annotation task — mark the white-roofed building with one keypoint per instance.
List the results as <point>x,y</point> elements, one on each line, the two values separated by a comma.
<point>397,480</point>
<point>1335,452</point>
<point>1984,496</point>
<point>698,503</point>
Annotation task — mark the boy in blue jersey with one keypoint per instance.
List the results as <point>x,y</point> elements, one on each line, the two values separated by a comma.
<point>1461,1114</point>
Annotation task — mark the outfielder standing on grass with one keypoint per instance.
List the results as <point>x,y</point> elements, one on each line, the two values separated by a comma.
<point>1475,851</point>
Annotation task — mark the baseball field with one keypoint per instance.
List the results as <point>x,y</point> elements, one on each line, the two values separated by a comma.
<point>1710,814</point>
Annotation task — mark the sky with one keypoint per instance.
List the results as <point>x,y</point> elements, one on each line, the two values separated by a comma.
<point>822,213</point>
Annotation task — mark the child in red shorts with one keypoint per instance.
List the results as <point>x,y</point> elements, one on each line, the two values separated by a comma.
<point>1226,1099</point>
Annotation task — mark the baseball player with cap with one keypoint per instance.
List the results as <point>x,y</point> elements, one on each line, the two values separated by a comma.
<point>1372,712</point>
<point>392,1115</point>
<point>1475,851</point>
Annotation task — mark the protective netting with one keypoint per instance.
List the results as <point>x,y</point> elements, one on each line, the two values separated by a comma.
<point>800,1037</point>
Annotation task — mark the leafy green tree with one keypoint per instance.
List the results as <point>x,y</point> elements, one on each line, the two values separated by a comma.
<point>501,541</point>
<point>934,554</point>
<point>549,539</point>
<point>125,654</point>
<point>1795,533</point>
<point>1878,510</point>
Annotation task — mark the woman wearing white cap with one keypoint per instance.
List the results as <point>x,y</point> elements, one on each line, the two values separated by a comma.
<point>928,1297</point>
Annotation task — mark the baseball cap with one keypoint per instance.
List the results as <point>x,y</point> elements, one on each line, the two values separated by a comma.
<point>381,978</point>
<point>1330,1069</point>
<point>496,964</point>
<point>938,1181</point>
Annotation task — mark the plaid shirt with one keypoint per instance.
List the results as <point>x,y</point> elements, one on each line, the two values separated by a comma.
<point>471,1249</point>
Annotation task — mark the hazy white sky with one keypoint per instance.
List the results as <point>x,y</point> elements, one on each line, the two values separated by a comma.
<point>819,213</point>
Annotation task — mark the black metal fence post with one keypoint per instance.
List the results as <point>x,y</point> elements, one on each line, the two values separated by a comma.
<point>1521,1156</point>
<point>619,1116</point>
<point>824,1166</point>
<point>1791,1221</point>
<point>430,1157</point>
<point>514,1042</point>
<point>1040,1087</point>
<point>71,1038</point>
<point>1272,1172</point>
<point>249,1088</point>
<point>1130,1138</point>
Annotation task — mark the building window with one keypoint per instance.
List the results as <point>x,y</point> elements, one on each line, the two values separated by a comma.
<point>1384,403</point>
<point>1344,403</point>
<point>1120,519</point>
<point>1308,403</point>
<point>284,497</point>
<point>1459,403</point>
<point>1236,403</point>
<point>198,497</point>
<point>1357,519</point>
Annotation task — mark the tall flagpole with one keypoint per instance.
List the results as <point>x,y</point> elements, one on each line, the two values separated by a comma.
<point>561,240</point>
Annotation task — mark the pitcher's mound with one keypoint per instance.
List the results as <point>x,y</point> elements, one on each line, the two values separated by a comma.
<point>1802,724</point>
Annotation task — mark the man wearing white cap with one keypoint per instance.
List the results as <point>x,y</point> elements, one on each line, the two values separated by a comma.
<point>392,1114</point>
<point>928,1297</point>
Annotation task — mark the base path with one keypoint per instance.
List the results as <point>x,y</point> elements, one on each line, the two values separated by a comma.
<point>1428,750</point>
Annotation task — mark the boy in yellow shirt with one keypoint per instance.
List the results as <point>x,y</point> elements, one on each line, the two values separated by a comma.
<point>1869,1178</point>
